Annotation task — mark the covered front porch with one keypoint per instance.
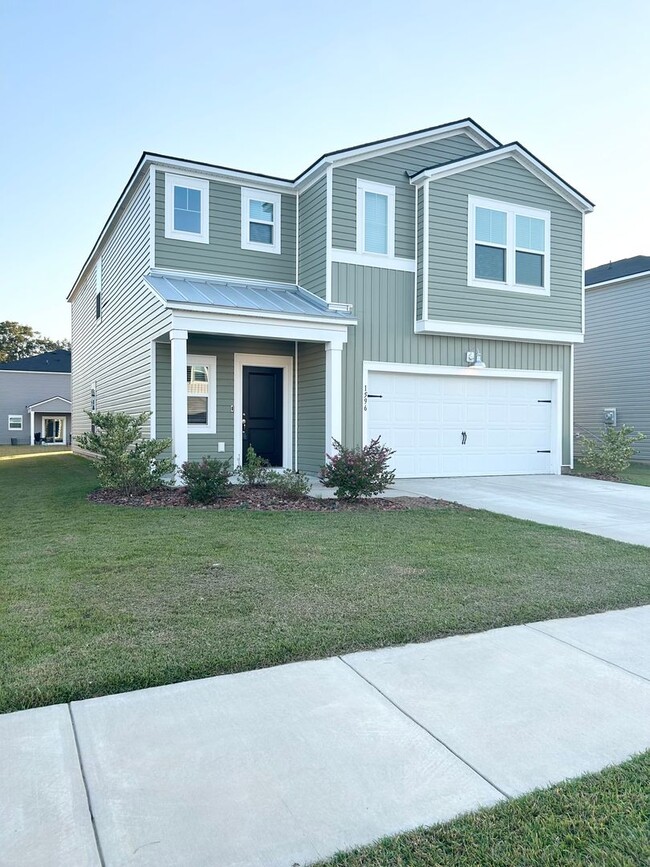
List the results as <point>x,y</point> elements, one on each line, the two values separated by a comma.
<point>49,421</point>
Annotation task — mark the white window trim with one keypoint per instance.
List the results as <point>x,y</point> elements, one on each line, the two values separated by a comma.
<point>203,186</point>
<point>248,194</point>
<point>9,420</point>
<point>511,211</point>
<point>98,289</point>
<point>210,362</point>
<point>387,190</point>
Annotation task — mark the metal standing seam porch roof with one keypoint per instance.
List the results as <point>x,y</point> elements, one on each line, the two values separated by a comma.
<point>259,297</point>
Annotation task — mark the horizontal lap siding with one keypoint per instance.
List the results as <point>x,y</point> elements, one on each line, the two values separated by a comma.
<point>390,169</point>
<point>224,255</point>
<point>450,298</point>
<point>311,406</point>
<point>611,366</point>
<point>312,231</point>
<point>383,304</point>
<point>116,351</point>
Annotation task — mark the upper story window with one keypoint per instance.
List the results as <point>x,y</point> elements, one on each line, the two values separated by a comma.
<point>201,394</point>
<point>509,246</point>
<point>98,290</point>
<point>15,422</point>
<point>375,218</point>
<point>260,221</point>
<point>187,208</point>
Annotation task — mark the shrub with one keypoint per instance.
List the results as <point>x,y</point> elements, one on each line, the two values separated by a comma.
<point>359,472</point>
<point>611,453</point>
<point>255,471</point>
<point>128,464</point>
<point>206,480</point>
<point>289,484</point>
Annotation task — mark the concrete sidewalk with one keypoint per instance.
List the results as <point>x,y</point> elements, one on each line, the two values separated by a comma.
<point>286,765</point>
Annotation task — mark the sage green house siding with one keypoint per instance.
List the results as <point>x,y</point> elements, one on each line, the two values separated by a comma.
<point>450,297</point>
<point>311,406</point>
<point>223,255</point>
<point>393,169</point>
<point>312,232</point>
<point>383,304</point>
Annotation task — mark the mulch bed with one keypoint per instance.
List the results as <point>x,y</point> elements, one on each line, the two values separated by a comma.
<point>262,499</point>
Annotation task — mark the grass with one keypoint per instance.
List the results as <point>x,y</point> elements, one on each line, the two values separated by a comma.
<point>638,473</point>
<point>601,820</point>
<point>8,452</point>
<point>101,599</point>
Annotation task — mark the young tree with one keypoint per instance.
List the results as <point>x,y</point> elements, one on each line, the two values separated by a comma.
<point>21,341</point>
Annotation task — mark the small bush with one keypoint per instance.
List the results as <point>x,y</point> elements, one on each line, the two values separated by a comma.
<point>129,464</point>
<point>611,453</point>
<point>289,484</point>
<point>359,472</point>
<point>255,471</point>
<point>206,480</point>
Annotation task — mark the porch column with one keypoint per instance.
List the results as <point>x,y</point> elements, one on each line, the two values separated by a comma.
<point>333,394</point>
<point>31,427</point>
<point>178,340</point>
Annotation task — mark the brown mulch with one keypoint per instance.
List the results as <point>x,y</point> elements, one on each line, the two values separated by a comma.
<point>261,499</point>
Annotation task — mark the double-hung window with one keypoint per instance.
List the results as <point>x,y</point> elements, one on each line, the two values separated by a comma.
<point>375,218</point>
<point>509,246</point>
<point>260,221</point>
<point>201,394</point>
<point>15,422</point>
<point>187,208</point>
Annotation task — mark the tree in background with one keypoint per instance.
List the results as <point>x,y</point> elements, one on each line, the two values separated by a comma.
<point>20,341</point>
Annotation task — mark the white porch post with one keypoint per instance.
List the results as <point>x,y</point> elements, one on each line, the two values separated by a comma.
<point>178,339</point>
<point>333,394</point>
<point>31,427</point>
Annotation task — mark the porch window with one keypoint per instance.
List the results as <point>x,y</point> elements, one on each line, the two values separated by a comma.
<point>15,422</point>
<point>201,394</point>
<point>187,208</point>
<point>260,221</point>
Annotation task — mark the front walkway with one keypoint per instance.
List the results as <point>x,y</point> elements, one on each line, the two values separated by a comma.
<point>286,765</point>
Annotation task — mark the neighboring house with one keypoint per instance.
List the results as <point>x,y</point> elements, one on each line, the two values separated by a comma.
<point>244,309</point>
<point>611,378</point>
<point>35,399</point>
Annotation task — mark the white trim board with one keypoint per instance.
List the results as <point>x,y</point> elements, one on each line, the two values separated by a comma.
<point>203,188</point>
<point>372,260</point>
<point>285,362</point>
<point>499,332</point>
<point>255,327</point>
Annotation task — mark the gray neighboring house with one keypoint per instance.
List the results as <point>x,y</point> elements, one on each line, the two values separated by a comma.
<point>611,377</point>
<point>426,288</point>
<point>35,398</point>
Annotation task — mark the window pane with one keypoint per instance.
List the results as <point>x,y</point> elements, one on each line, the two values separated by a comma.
<point>197,379</point>
<point>376,228</point>
<point>194,200</point>
<point>530,233</point>
<point>491,226</point>
<point>15,423</point>
<point>180,197</point>
<point>490,263</point>
<point>529,269</point>
<point>261,233</point>
<point>187,221</point>
<point>197,410</point>
<point>261,211</point>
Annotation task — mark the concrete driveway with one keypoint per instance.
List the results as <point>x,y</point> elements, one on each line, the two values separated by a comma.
<point>609,509</point>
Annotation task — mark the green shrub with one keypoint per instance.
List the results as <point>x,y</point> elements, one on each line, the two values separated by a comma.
<point>206,480</point>
<point>255,471</point>
<point>611,453</point>
<point>289,484</point>
<point>128,464</point>
<point>359,472</point>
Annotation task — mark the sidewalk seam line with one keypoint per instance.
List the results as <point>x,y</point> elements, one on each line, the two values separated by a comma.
<point>425,729</point>
<point>98,844</point>
<point>587,652</point>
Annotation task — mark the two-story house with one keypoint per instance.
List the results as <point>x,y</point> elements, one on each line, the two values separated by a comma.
<point>35,399</point>
<point>426,288</point>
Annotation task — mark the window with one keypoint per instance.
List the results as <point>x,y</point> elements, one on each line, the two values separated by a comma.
<point>260,221</point>
<point>375,218</point>
<point>15,422</point>
<point>509,246</point>
<point>201,394</point>
<point>187,208</point>
<point>98,290</point>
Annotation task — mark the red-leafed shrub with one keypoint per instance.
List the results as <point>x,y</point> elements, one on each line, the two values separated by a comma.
<point>358,472</point>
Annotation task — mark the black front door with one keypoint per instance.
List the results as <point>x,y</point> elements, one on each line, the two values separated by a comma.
<point>262,407</point>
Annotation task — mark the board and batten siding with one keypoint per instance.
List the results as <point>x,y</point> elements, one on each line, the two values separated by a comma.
<point>223,254</point>
<point>311,407</point>
<point>450,297</point>
<point>392,168</point>
<point>382,301</point>
<point>312,238</point>
<point>20,389</point>
<point>611,366</point>
<point>115,351</point>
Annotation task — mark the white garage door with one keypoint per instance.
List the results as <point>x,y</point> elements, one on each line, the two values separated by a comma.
<point>468,425</point>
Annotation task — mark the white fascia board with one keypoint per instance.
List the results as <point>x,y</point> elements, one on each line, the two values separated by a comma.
<point>498,332</point>
<point>33,407</point>
<point>515,152</point>
<point>616,280</point>
<point>219,324</point>
<point>372,260</point>
<point>227,175</point>
<point>40,372</point>
<point>257,315</point>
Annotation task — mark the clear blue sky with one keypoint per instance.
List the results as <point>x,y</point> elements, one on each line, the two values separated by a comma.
<point>86,86</point>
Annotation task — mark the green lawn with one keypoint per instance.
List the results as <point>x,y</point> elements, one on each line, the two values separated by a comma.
<point>638,473</point>
<point>100,599</point>
<point>602,820</point>
<point>15,451</point>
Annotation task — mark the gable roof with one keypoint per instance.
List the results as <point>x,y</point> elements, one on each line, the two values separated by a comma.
<point>57,361</point>
<point>523,156</point>
<point>60,404</point>
<point>635,265</point>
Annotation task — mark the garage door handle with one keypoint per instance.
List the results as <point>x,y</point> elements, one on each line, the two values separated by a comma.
<point>463,438</point>
<point>543,451</point>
